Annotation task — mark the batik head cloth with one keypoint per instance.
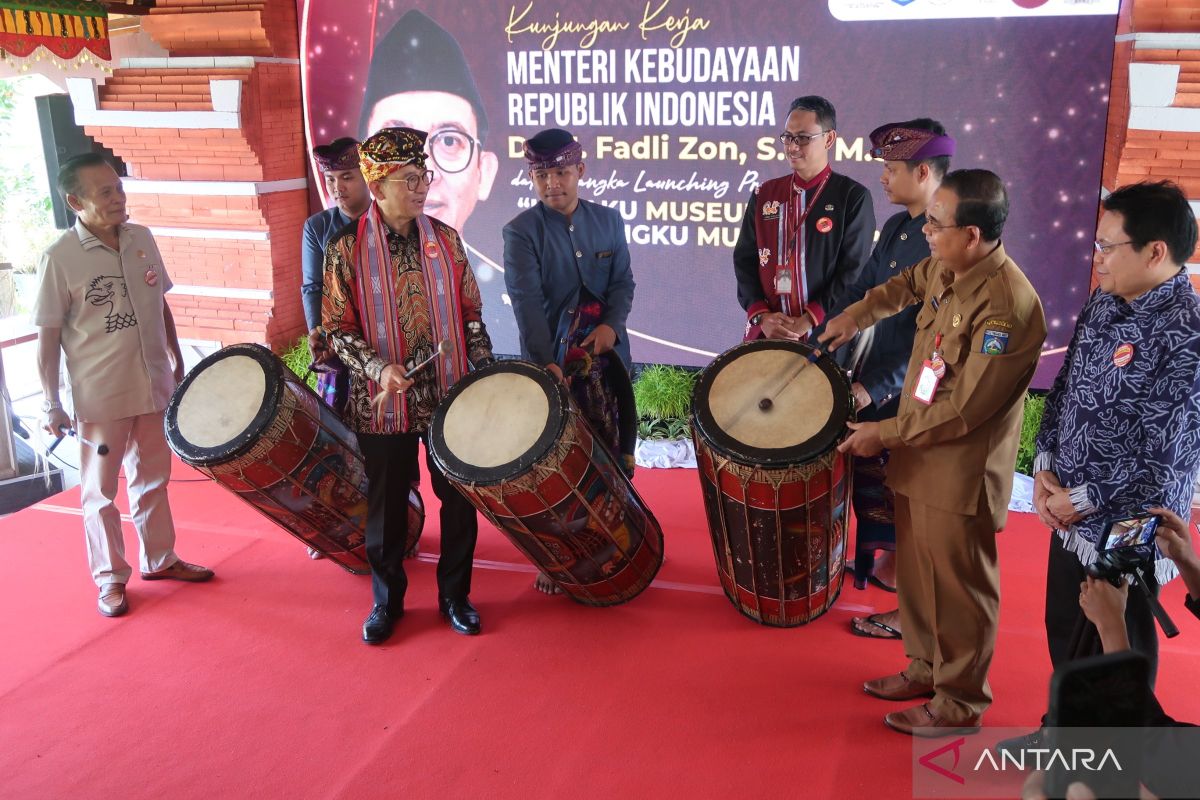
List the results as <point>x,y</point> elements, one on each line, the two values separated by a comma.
<point>893,142</point>
<point>389,150</point>
<point>338,155</point>
<point>553,148</point>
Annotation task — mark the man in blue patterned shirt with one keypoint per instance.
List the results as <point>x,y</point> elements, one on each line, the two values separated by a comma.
<point>1121,430</point>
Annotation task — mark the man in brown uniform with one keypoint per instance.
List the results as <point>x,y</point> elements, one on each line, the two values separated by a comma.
<point>953,444</point>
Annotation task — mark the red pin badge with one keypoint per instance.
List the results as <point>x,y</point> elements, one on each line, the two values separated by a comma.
<point>1123,354</point>
<point>431,250</point>
<point>151,276</point>
<point>824,225</point>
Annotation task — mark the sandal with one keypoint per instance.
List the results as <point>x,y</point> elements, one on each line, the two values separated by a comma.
<point>874,619</point>
<point>878,584</point>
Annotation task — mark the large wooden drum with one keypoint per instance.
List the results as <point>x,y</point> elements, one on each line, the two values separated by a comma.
<point>245,420</point>
<point>766,418</point>
<point>512,441</point>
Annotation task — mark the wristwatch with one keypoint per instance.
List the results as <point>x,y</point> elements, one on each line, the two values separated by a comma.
<point>757,318</point>
<point>50,405</point>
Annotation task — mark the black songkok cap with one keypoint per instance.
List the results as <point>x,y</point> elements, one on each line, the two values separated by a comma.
<point>418,55</point>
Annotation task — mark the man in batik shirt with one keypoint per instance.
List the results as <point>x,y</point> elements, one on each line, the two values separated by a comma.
<point>1121,429</point>
<point>397,284</point>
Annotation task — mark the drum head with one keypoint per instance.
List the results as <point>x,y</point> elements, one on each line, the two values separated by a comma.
<point>496,422</point>
<point>772,403</point>
<point>224,403</point>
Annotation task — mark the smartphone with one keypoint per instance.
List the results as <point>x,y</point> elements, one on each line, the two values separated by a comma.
<point>1130,532</point>
<point>1098,705</point>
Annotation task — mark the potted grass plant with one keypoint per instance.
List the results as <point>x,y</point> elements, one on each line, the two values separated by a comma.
<point>297,360</point>
<point>1022,491</point>
<point>663,395</point>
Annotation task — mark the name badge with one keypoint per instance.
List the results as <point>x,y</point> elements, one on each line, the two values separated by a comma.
<point>783,281</point>
<point>927,384</point>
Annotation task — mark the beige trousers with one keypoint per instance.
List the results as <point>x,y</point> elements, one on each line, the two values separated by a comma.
<point>139,443</point>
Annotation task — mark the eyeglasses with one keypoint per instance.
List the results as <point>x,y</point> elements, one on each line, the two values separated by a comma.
<point>451,149</point>
<point>937,226</point>
<point>1105,249</point>
<point>800,139</point>
<point>414,180</point>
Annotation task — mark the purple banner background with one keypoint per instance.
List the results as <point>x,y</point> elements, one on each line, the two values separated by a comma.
<point>1025,97</point>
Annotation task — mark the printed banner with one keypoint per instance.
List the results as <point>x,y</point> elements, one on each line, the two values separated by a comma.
<point>679,105</point>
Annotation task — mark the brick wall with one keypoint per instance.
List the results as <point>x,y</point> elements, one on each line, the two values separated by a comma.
<point>203,27</point>
<point>1136,151</point>
<point>231,241</point>
<point>1165,16</point>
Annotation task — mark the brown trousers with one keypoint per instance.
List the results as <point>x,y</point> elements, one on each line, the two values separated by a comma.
<point>948,584</point>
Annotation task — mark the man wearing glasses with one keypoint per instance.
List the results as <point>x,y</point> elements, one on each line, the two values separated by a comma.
<point>397,284</point>
<point>953,445</point>
<point>804,236</point>
<point>419,78</point>
<point>1121,429</point>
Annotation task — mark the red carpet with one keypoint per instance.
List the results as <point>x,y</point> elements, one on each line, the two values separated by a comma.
<point>256,686</point>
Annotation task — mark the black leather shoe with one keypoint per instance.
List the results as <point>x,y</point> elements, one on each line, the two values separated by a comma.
<point>462,615</point>
<point>378,626</point>
<point>1017,745</point>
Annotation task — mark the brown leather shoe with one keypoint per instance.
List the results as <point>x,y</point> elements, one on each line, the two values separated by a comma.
<point>897,687</point>
<point>180,571</point>
<point>921,721</point>
<point>112,602</point>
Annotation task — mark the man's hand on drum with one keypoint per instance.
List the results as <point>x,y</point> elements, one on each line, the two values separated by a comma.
<point>317,347</point>
<point>838,331</point>
<point>863,440</point>
<point>602,339</point>
<point>392,379</point>
<point>777,325</point>
<point>557,372</point>
<point>56,422</point>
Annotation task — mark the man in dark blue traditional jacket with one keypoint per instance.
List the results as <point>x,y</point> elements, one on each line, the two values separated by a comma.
<point>916,156</point>
<point>566,267</point>
<point>338,163</point>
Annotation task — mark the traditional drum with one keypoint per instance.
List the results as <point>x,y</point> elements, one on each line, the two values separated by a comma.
<point>766,418</point>
<point>510,438</point>
<point>246,421</point>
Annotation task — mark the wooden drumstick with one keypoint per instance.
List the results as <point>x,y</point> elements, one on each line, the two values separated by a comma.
<point>442,348</point>
<point>381,396</point>
<point>767,402</point>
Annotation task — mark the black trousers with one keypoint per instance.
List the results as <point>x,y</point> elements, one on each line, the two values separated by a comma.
<point>391,463</point>
<point>1070,634</point>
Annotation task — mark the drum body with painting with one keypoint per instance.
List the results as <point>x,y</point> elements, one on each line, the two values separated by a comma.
<point>245,420</point>
<point>510,438</point>
<point>766,419</point>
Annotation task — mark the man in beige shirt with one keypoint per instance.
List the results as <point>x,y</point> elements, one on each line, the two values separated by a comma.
<point>102,302</point>
<point>953,446</point>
